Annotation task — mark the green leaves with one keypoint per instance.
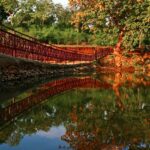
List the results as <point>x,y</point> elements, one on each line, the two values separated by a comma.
<point>3,14</point>
<point>134,16</point>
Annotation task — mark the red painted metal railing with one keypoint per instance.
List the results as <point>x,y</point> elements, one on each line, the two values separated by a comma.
<point>49,89</point>
<point>19,45</point>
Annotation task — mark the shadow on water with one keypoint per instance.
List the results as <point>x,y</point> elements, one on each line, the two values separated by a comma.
<point>108,111</point>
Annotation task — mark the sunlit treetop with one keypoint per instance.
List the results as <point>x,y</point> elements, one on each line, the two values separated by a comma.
<point>130,16</point>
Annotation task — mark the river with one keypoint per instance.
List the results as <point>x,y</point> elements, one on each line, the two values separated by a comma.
<point>103,111</point>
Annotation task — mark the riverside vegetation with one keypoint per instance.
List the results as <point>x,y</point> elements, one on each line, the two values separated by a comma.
<point>125,25</point>
<point>41,107</point>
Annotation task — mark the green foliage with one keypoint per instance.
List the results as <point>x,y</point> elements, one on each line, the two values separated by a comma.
<point>3,14</point>
<point>56,35</point>
<point>103,39</point>
<point>52,34</point>
<point>97,22</point>
<point>131,18</point>
<point>137,26</point>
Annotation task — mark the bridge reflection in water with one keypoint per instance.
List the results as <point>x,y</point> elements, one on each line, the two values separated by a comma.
<point>47,90</point>
<point>115,117</point>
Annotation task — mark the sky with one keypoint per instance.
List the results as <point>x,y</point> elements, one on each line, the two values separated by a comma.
<point>63,2</point>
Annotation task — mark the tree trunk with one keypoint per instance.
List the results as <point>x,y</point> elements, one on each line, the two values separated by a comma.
<point>117,50</point>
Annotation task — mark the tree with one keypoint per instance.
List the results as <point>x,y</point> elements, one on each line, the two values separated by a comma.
<point>131,18</point>
<point>62,16</point>
<point>42,11</point>
<point>10,7</point>
<point>27,12</point>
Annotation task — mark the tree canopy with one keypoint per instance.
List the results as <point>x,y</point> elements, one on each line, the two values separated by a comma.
<point>130,18</point>
<point>123,23</point>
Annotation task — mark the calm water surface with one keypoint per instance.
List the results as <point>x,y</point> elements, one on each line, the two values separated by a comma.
<point>100,112</point>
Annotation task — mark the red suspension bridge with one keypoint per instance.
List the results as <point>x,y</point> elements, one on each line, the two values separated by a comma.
<point>16,44</point>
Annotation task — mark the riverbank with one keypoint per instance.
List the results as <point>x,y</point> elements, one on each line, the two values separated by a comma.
<point>19,69</point>
<point>131,62</point>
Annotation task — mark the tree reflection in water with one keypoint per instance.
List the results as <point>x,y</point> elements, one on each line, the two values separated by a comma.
<point>104,125</point>
<point>95,119</point>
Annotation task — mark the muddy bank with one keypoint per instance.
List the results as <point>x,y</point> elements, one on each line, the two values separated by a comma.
<point>19,69</point>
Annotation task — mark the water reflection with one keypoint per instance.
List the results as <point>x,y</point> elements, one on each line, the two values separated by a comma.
<point>108,112</point>
<point>47,90</point>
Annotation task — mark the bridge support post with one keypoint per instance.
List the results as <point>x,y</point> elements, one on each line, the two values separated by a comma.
<point>96,54</point>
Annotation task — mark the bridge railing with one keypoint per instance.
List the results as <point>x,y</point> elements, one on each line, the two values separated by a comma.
<point>10,30</point>
<point>17,44</point>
